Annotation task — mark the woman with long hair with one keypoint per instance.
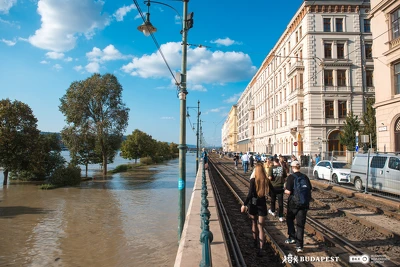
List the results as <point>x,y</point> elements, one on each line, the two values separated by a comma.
<point>257,205</point>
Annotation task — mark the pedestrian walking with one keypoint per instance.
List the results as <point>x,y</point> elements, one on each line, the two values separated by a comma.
<point>276,192</point>
<point>317,159</point>
<point>251,161</point>
<point>298,187</point>
<point>256,205</point>
<point>245,162</point>
<point>204,155</point>
<point>236,160</point>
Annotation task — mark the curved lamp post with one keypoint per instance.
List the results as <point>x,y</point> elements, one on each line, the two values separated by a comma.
<point>147,28</point>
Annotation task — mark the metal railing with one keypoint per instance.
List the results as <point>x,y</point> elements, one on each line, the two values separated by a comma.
<point>206,236</point>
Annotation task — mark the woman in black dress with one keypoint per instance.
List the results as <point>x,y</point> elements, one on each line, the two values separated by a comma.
<point>257,206</point>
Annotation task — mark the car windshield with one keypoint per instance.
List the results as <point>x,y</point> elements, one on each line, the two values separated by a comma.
<point>340,165</point>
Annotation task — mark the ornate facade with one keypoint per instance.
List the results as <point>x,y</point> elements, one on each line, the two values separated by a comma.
<point>386,50</point>
<point>320,69</point>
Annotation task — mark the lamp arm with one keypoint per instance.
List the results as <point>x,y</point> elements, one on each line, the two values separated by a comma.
<point>156,2</point>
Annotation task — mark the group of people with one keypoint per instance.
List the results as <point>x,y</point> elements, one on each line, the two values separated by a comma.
<point>275,178</point>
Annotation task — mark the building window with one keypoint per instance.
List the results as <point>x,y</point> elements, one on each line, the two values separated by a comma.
<point>300,32</point>
<point>339,25</point>
<point>395,24</point>
<point>370,78</point>
<point>342,109</point>
<point>327,25</point>
<point>368,51</point>
<point>301,80</point>
<point>340,51</point>
<point>301,111</point>
<point>341,77</point>
<point>329,109</point>
<point>367,25</point>
<point>328,50</point>
<point>289,46</point>
<point>297,37</point>
<point>397,78</point>
<point>328,77</point>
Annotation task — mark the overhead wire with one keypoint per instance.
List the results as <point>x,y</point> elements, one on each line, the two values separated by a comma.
<point>155,42</point>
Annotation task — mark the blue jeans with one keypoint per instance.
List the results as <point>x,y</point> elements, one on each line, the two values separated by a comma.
<point>245,166</point>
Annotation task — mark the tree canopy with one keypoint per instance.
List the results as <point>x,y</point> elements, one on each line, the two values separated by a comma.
<point>351,126</point>
<point>95,105</point>
<point>18,135</point>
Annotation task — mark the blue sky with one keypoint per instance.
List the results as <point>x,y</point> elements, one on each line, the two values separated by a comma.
<point>46,45</point>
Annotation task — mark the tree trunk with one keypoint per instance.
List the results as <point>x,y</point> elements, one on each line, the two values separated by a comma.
<point>104,165</point>
<point>5,173</point>
<point>86,171</point>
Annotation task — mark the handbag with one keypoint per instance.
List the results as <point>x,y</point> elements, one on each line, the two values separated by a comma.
<point>254,201</point>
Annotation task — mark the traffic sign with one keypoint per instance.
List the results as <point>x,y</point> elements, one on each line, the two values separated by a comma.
<point>356,148</point>
<point>295,143</point>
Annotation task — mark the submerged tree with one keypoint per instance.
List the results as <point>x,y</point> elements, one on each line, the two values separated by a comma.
<point>351,126</point>
<point>137,145</point>
<point>18,135</point>
<point>97,103</point>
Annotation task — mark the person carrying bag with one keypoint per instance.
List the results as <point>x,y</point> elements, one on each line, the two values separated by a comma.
<point>256,204</point>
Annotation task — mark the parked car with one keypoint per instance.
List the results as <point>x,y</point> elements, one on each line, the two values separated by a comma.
<point>335,171</point>
<point>383,174</point>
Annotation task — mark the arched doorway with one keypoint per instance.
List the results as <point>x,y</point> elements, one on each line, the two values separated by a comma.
<point>397,135</point>
<point>334,145</point>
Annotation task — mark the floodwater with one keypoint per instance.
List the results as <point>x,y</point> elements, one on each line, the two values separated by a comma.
<point>123,220</point>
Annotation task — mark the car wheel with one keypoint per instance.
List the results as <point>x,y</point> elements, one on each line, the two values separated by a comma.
<point>316,175</point>
<point>358,184</point>
<point>334,178</point>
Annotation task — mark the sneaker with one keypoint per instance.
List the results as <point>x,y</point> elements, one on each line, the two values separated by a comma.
<point>299,249</point>
<point>260,252</point>
<point>290,241</point>
<point>281,219</point>
<point>272,213</point>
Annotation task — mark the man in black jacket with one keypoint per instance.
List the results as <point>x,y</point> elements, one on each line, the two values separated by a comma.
<point>295,212</point>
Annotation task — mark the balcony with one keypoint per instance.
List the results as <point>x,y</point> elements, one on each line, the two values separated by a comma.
<point>331,121</point>
<point>298,65</point>
<point>332,88</point>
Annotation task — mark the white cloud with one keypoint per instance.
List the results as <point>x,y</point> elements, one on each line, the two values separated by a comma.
<point>5,5</point>
<point>44,62</point>
<point>68,59</point>
<point>216,109</point>
<point>225,42</point>
<point>167,118</point>
<point>10,23</point>
<point>204,66</point>
<point>8,42</point>
<point>64,21</point>
<point>121,12</point>
<point>233,99</point>
<point>78,68</point>
<point>57,67</point>
<point>93,67</point>
<point>54,55</point>
<point>197,87</point>
<point>107,54</point>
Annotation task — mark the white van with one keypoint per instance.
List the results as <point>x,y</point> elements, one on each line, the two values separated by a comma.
<point>384,172</point>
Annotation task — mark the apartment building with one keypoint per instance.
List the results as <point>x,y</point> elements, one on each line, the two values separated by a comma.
<point>229,132</point>
<point>320,69</point>
<point>385,28</point>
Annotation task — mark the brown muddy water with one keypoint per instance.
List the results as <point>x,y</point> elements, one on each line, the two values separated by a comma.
<point>123,220</point>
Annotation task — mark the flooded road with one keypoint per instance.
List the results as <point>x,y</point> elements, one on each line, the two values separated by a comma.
<point>124,220</point>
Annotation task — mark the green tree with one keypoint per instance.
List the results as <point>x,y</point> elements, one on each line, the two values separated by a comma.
<point>369,120</point>
<point>81,145</point>
<point>18,135</point>
<point>138,145</point>
<point>174,150</point>
<point>348,135</point>
<point>97,103</point>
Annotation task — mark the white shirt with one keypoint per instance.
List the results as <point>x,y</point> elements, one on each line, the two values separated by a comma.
<point>245,157</point>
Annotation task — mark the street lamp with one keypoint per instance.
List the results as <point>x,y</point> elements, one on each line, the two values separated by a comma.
<point>147,28</point>
<point>197,133</point>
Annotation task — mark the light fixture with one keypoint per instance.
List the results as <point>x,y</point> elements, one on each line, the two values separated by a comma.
<point>147,28</point>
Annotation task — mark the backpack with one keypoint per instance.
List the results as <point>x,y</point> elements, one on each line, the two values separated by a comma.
<point>301,192</point>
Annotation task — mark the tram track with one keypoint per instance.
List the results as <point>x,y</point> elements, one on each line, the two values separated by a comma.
<point>319,237</point>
